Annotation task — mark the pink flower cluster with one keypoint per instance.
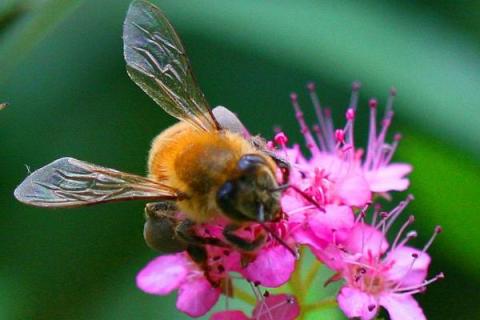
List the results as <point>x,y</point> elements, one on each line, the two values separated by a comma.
<point>326,209</point>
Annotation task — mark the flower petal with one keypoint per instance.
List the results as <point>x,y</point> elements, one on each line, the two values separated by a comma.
<point>278,307</point>
<point>333,224</point>
<point>364,238</point>
<point>229,315</point>
<point>389,178</point>
<point>403,271</point>
<point>354,190</point>
<point>356,303</point>
<point>163,274</point>
<point>402,307</point>
<point>197,297</point>
<point>272,267</point>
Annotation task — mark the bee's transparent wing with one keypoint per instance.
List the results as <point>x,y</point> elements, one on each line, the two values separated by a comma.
<point>229,121</point>
<point>157,63</point>
<point>68,182</point>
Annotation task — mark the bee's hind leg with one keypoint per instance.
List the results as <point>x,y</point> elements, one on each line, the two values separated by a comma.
<point>160,227</point>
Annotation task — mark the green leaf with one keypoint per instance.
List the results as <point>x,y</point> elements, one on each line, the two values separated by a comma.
<point>445,184</point>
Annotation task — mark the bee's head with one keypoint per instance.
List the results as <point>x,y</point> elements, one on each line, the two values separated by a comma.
<point>249,196</point>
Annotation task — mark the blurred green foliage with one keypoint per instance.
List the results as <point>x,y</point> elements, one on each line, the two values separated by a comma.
<point>62,71</point>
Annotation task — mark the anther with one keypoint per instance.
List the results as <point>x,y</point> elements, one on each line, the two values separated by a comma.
<point>371,307</point>
<point>436,231</point>
<point>373,103</point>
<point>311,86</point>
<point>356,85</point>
<point>281,139</point>
<point>340,136</point>
<point>294,97</point>
<point>350,114</point>
<point>397,137</point>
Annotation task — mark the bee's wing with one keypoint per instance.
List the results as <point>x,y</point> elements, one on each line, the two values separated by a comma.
<point>68,182</point>
<point>228,120</point>
<point>157,63</point>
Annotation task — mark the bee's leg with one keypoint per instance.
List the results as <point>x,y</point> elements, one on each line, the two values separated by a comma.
<point>242,244</point>
<point>185,230</point>
<point>160,227</point>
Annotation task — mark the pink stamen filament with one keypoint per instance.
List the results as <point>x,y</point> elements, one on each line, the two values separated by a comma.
<point>311,144</point>
<point>322,128</point>
<point>372,134</point>
<point>409,221</point>
<point>411,235</point>
<point>408,290</point>
<point>437,230</point>
<point>398,210</point>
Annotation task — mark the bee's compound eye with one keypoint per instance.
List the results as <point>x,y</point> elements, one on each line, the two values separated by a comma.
<point>250,161</point>
<point>226,193</point>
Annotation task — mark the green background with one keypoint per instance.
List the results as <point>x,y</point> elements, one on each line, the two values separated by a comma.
<point>62,71</point>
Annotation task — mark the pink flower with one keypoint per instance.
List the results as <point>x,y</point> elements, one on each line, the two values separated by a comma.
<point>378,276</point>
<point>199,286</point>
<point>274,262</point>
<point>338,171</point>
<point>273,307</point>
<point>196,296</point>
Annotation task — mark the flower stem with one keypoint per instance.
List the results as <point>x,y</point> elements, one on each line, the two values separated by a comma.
<point>312,273</point>
<point>324,304</point>
<point>244,296</point>
<point>295,283</point>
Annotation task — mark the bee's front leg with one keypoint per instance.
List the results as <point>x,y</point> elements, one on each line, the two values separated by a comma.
<point>242,244</point>
<point>185,230</point>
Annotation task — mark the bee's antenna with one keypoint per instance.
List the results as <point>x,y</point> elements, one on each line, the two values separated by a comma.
<point>280,240</point>
<point>300,192</point>
<point>280,188</point>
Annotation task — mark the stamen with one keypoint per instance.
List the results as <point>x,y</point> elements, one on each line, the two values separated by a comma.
<point>340,136</point>
<point>411,235</point>
<point>321,129</point>
<point>376,210</point>
<point>319,136</point>
<point>361,216</point>
<point>409,221</point>
<point>330,137</point>
<point>398,210</point>
<point>424,284</point>
<point>281,139</point>
<point>356,85</point>
<point>436,231</point>
<point>391,96</point>
<point>372,133</point>
<point>311,144</point>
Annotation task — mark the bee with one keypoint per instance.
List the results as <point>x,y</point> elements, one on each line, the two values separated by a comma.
<point>205,166</point>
